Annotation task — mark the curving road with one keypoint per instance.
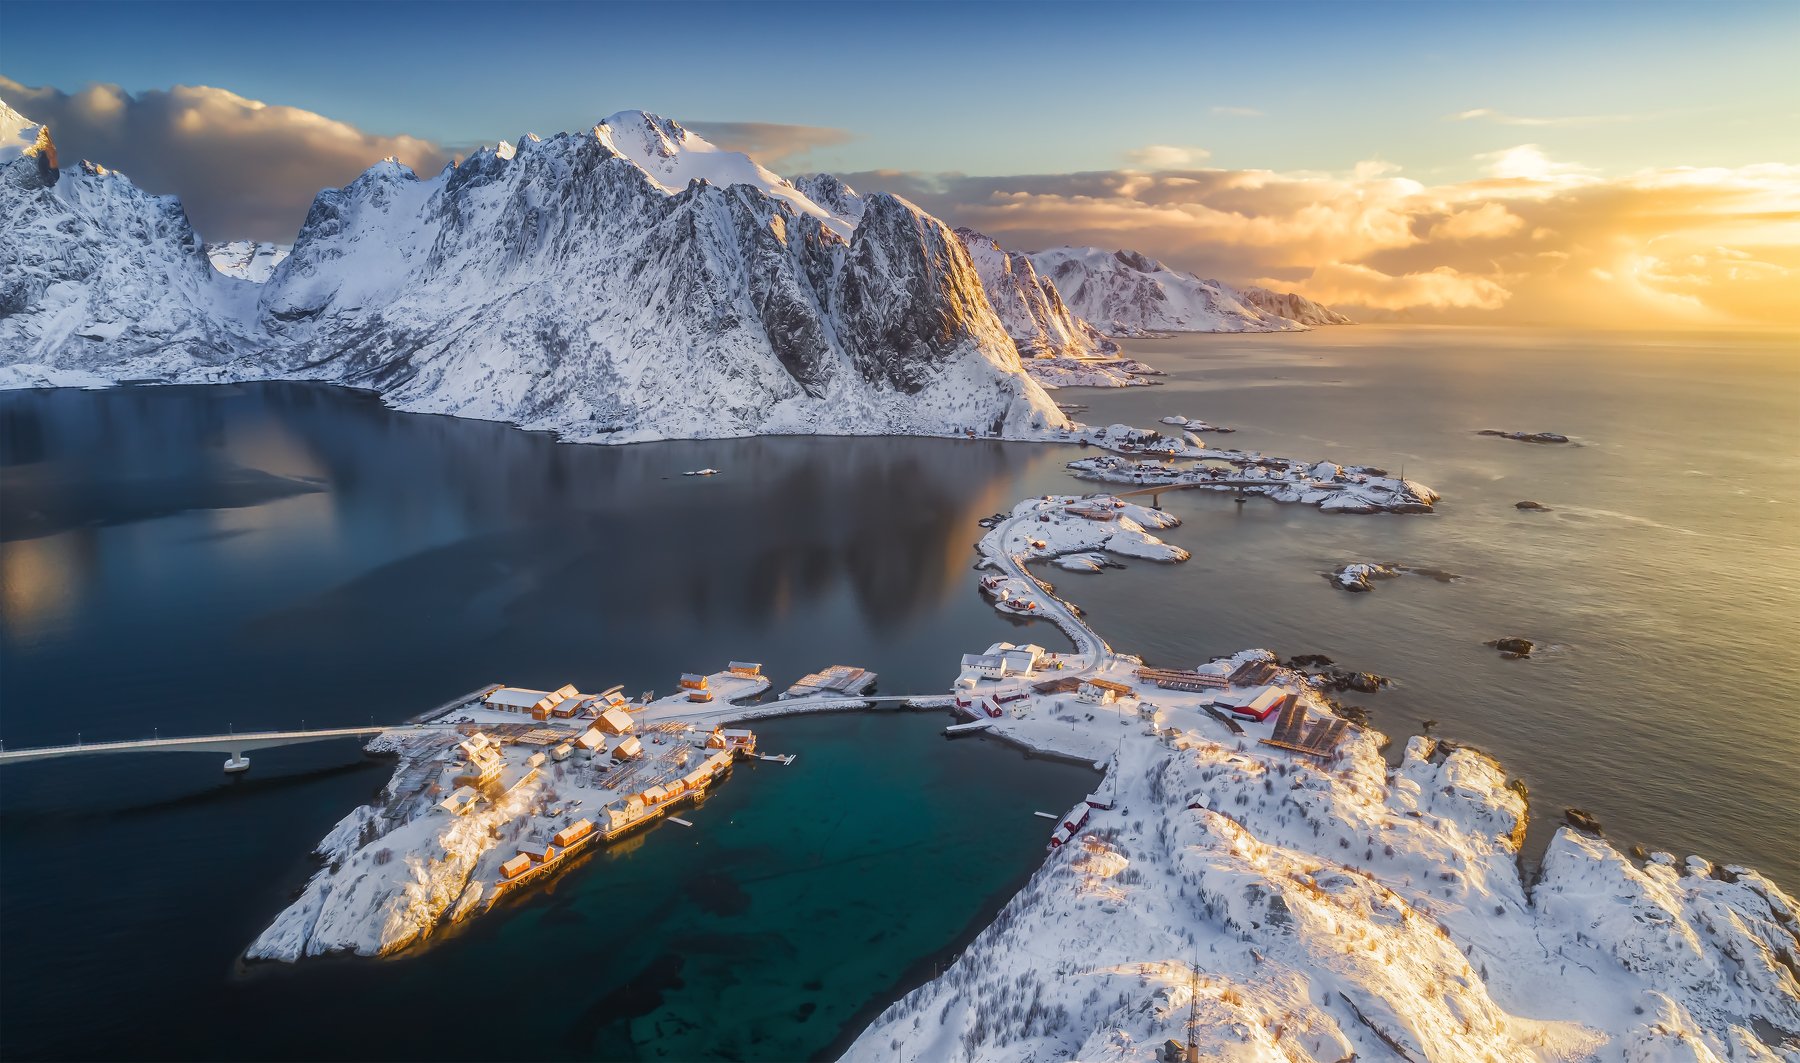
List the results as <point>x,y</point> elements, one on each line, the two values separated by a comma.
<point>1087,641</point>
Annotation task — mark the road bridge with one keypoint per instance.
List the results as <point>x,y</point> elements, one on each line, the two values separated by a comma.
<point>236,744</point>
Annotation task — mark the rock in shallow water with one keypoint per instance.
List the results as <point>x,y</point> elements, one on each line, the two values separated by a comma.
<point>1513,646</point>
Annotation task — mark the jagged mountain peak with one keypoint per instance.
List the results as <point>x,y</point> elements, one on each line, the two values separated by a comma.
<point>20,137</point>
<point>673,155</point>
<point>832,193</point>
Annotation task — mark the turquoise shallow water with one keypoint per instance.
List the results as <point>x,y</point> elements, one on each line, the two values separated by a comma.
<point>196,558</point>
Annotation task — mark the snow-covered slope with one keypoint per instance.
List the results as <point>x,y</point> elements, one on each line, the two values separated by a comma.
<point>672,156</point>
<point>557,285</point>
<point>247,260</point>
<point>99,277</point>
<point>1294,307</point>
<point>1123,293</point>
<point>597,283</point>
<point>1029,306</point>
<point>832,194</point>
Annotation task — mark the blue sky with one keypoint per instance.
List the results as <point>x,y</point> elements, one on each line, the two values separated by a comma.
<point>989,89</point>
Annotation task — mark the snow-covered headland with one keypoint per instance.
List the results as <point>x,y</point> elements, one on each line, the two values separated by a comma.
<point>1275,904</point>
<point>1186,462</point>
<point>501,790</point>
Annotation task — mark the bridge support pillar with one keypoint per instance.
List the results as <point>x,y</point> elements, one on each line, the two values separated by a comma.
<point>237,764</point>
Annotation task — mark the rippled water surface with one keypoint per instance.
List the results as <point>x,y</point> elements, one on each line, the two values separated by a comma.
<point>195,559</point>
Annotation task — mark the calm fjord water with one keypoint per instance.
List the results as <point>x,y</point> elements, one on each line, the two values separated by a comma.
<point>193,559</point>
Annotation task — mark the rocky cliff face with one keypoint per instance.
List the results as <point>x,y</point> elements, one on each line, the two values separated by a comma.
<point>1294,307</point>
<point>95,272</point>
<point>600,284</point>
<point>1124,293</point>
<point>1029,306</point>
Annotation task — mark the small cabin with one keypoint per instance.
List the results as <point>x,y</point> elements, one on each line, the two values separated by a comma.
<point>749,669</point>
<point>538,852</point>
<point>573,833</point>
<point>736,740</point>
<point>614,722</point>
<point>563,752</point>
<point>629,748</point>
<point>590,740</point>
<point>699,695</point>
<point>515,867</point>
<point>692,681</point>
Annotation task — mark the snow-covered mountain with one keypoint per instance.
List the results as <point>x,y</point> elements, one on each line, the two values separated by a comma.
<point>596,283</point>
<point>673,156</point>
<point>99,277</point>
<point>1028,305</point>
<point>1294,307</point>
<point>247,260</point>
<point>1124,293</point>
<point>832,194</point>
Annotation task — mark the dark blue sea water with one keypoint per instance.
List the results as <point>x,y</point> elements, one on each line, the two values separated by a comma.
<point>180,560</point>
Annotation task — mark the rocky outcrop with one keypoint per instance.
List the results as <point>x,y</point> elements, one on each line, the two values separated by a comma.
<point>1526,437</point>
<point>1294,307</point>
<point>1029,306</point>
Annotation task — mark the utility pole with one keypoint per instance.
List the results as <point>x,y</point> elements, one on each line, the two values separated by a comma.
<point>1193,1046</point>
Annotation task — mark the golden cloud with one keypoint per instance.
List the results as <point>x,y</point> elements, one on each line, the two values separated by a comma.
<point>243,168</point>
<point>1533,238</point>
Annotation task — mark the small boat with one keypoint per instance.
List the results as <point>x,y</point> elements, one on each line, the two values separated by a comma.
<point>702,472</point>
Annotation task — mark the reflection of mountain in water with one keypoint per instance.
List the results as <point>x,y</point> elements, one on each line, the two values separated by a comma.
<point>572,524</point>
<point>470,548</point>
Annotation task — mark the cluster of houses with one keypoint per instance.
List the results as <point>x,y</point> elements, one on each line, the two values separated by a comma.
<point>563,703</point>
<point>1003,660</point>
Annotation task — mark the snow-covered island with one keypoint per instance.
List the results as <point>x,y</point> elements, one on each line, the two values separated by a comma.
<point>1186,462</point>
<point>1361,575</point>
<point>1253,877</point>
<point>498,791</point>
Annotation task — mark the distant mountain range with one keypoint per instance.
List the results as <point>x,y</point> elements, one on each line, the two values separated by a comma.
<point>631,281</point>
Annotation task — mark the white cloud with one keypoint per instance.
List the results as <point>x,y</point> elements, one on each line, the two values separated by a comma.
<point>1488,114</point>
<point>1169,156</point>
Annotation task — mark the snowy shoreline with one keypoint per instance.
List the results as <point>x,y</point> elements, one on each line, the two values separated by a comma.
<point>1428,944</point>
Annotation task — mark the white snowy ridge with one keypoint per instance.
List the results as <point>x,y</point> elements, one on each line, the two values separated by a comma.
<point>625,283</point>
<point>248,260</point>
<point>1127,294</point>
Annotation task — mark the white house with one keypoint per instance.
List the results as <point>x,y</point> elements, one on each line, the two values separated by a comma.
<point>1103,692</point>
<point>1021,659</point>
<point>987,665</point>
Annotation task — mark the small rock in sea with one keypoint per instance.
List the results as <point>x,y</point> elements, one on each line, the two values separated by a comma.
<point>1528,504</point>
<point>1513,646</point>
<point>1575,817</point>
<point>1308,660</point>
<point>1526,437</point>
